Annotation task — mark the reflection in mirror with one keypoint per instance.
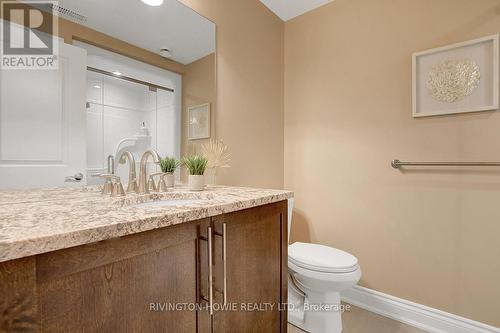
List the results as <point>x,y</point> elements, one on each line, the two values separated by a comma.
<point>134,111</point>
<point>127,76</point>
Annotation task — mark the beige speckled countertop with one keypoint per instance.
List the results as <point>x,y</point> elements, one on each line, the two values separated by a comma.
<point>39,221</point>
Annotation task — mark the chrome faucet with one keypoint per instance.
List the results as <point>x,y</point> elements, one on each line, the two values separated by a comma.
<point>143,177</point>
<point>132,176</point>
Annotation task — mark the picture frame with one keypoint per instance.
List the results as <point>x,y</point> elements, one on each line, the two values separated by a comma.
<point>199,121</point>
<point>457,78</point>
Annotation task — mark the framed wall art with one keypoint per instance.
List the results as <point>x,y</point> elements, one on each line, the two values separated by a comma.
<point>457,78</point>
<point>199,121</point>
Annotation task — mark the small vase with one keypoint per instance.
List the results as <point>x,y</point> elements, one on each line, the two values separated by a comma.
<point>169,179</point>
<point>196,182</point>
<point>211,176</point>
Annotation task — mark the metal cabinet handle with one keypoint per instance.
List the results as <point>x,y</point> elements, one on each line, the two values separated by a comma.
<point>210,273</point>
<point>209,240</point>
<point>224,259</point>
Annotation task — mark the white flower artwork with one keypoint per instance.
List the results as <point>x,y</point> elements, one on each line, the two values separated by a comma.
<point>453,80</point>
<point>199,122</point>
<point>457,78</point>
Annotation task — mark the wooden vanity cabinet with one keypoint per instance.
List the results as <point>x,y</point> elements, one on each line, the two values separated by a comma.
<point>124,284</point>
<point>256,270</point>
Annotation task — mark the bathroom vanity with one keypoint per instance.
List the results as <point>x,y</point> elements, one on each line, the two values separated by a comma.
<point>72,260</point>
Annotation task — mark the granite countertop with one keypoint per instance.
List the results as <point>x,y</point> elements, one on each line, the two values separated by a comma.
<point>44,220</point>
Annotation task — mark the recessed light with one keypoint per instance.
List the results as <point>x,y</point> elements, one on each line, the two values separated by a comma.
<point>165,53</point>
<point>153,2</point>
<point>97,86</point>
<point>117,73</point>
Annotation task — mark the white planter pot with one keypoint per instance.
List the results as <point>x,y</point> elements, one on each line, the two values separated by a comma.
<point>169,179</point>
<point>196,182</point>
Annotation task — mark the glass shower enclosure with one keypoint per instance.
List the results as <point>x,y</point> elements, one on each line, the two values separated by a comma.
<point>124,114</point>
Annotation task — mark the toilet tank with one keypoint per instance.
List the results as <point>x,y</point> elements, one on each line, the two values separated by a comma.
<point>290,210</point>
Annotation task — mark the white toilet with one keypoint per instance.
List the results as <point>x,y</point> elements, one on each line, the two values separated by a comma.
<point>316,276</point>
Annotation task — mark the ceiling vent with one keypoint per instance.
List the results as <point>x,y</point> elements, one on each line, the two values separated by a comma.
<point>69,14</point>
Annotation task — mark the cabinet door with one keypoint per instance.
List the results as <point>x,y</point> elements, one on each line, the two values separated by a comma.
<point>123,285</point>
<point>256,268</point>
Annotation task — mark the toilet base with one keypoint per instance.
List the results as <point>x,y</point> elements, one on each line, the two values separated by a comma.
<point>315,313</point>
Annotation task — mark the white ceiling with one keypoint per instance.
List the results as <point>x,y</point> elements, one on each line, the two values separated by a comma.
<point>288,9</point>
<point>173,25</point>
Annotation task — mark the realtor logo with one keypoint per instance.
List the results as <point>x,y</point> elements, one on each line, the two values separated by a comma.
<point>29,35</point>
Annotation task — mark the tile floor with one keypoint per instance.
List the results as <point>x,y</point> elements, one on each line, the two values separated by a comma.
<point>361,321</point>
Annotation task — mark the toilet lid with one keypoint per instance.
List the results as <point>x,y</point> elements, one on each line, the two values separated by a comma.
<point>321,258</point>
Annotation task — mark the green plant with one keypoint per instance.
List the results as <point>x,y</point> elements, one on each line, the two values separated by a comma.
<point>169,164</point>
<point>196,164</point>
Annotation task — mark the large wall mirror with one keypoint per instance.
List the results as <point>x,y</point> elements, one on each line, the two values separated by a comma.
<point>132,75</point>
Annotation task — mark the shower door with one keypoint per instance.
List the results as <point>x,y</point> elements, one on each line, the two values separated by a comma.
<point>126,116</point>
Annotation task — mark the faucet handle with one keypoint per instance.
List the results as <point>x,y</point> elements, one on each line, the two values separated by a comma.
<point>107,188</point>
<point>151,184</point>
<point>112,184</point>
<point>118,189</point>
<point>132,186</point>
<point>162,185</point>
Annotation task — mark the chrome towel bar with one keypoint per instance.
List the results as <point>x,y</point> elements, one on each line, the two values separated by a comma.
<point>396,164</point>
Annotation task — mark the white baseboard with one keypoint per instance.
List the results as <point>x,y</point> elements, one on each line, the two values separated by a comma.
<point>417,315</point>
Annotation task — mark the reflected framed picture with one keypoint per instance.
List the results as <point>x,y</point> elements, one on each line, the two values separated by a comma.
<point>456,78</point>
<point>199,121</point>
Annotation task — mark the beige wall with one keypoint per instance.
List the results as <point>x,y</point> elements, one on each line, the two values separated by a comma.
<point>198,87</point>
<point>249,113</point>
<point>430,236</point>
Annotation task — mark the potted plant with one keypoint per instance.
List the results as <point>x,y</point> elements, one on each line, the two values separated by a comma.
<point>196,166</point>
<point>168,166</point>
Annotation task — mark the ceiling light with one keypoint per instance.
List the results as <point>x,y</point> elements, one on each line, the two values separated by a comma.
<point>117,73</point>
<point>165,53</point>
<point>97,86</point>
<point>153,2</point>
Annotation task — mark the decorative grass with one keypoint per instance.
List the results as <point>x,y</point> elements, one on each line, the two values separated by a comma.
<point>196,164</point>
<point>217,154</point>
<point>169,164</point>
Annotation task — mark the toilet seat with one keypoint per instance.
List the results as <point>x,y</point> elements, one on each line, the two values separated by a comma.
<point>321,258</point>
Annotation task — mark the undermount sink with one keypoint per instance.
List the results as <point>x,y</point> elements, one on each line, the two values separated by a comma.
<point>169,203</point>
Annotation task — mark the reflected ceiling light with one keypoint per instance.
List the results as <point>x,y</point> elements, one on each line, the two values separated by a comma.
<point>117,73</point>
<point>153,2</point>
<point>165,53</point>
